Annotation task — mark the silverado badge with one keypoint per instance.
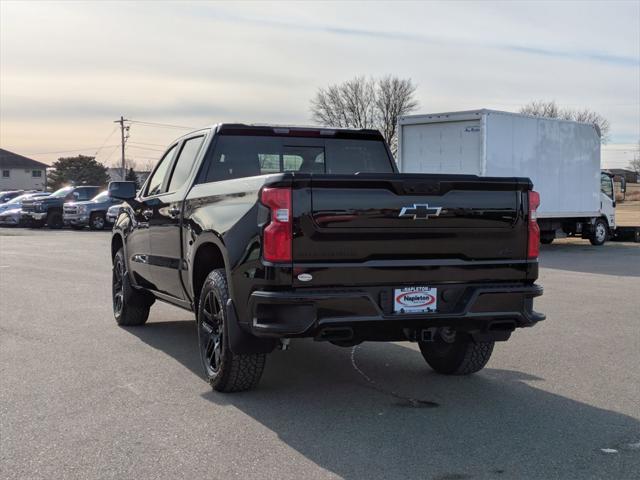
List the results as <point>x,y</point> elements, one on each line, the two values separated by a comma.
<point>420,211</point>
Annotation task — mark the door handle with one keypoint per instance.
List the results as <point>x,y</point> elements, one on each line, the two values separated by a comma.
<point>147,213</point>
<point>174,211</point>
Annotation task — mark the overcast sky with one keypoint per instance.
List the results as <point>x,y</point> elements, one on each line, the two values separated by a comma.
<point>69,69</point>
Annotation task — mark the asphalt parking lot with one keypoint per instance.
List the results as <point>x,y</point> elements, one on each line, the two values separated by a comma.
<point>83,398</point>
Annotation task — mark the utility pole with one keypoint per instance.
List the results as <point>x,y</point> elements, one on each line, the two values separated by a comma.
<point>122,140</point>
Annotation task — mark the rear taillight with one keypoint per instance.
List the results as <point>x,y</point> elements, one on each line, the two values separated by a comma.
<point>533,248</point>
<point>277,235</point>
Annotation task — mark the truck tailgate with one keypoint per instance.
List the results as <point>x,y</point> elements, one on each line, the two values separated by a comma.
<point>411,222</point>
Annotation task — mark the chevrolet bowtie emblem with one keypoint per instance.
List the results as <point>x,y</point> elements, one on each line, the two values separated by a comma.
<point>420,211</point>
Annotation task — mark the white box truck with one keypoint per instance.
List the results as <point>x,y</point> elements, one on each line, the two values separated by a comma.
<point>561,157</point>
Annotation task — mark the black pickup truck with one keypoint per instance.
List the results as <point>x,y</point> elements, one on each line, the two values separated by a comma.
<point>273,233</point>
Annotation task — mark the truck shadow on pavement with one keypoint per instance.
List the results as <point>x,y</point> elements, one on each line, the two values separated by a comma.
<point>613,258</point>
<point>495,424</point>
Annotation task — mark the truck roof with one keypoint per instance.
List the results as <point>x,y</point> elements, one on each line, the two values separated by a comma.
<point>472,114</point>
<point>292,131</point>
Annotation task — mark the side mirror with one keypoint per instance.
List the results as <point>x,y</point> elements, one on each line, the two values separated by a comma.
<point>122,190</point>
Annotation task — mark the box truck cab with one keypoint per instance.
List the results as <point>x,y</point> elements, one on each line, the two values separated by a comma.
<point>561,157</point>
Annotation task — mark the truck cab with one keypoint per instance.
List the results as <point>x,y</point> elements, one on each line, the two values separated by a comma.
<point>608,199</point>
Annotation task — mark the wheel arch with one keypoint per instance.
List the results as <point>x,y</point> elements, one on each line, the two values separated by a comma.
<point>209,255</point>
<point>117,243</point>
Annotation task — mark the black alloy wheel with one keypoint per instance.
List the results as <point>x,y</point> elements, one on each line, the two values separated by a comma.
<point>211,332</point>
<point>130,305</point>
<point>117,286</point>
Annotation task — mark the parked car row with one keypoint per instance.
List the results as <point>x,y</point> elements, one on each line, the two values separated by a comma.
<point>77,207</point>
<point>6,195</point>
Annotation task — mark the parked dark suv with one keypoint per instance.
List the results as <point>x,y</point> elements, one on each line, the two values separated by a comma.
<point>48,210</point>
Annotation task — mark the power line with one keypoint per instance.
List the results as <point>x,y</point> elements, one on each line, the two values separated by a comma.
<point>70,151</point>
<point>106,140</point>
<point>165,125</point>
<point>152,144</point>
<point>110,155</point>
<point>133,145</point>
<point>135,156</point>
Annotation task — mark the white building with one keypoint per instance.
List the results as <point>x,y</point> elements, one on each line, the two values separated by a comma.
<point>21,173</point>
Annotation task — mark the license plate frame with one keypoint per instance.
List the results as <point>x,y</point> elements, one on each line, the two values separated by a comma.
<point>415,299</point>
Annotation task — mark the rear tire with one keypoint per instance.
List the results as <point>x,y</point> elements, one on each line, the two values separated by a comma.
<point>226,371</point>
<point>130,306</point>
<point>600,233</point>
<point>547,238</point>
<point>54,220</point>
<point>30,223</point>
<point>457,356</point>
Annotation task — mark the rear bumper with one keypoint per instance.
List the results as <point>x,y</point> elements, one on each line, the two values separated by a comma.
<point>367,313</point>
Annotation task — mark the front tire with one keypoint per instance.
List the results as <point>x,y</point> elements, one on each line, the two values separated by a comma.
<point>97,221</point>
<point>600,233</point>
<point>226,371</point>
<point>130,306</point>
<point>54,220</point>
<point>456,354</point>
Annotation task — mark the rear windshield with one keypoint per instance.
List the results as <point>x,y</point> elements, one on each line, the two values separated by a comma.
<point>237,156</point>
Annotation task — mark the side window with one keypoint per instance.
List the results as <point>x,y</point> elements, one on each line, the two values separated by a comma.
<point>83,194</point>
<point>156,181</point>
<point>184,164</point>
<point>606,186</point>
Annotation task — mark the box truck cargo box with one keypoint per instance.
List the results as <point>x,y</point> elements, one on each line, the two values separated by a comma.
<point>561,157</point>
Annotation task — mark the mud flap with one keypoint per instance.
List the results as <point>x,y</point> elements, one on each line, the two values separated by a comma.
<point>241,342</point>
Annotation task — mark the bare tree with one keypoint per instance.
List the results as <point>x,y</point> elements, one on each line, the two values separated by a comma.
<point>541,108</point>
<point>130,163</point>
<point>589,116</point>
<point>366,103</point>
<point>550,109</point>
<point>349,104</point>
<point>147,165</point>
<point>394,98</point>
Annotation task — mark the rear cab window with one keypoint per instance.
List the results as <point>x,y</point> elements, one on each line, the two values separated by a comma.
<point>236,156</point>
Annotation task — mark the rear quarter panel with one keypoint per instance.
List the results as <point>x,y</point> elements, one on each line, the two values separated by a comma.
<point>228,214</point>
